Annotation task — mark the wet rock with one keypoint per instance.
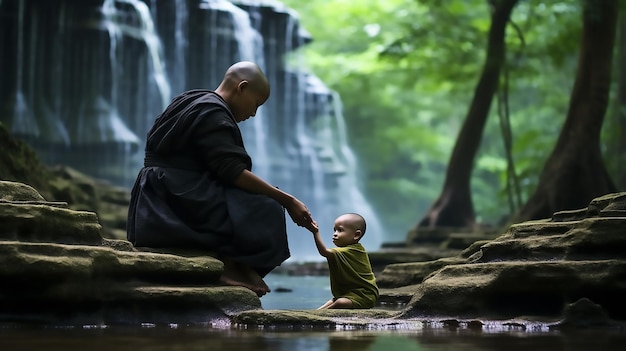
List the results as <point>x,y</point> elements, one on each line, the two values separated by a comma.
<point>585,313</point>
<point>388,256</point>
<point>536,268</point>
<point>56,268</point>
<point>403,274</point>
<point>41,221</point>
<point>318,318</point>
<point>11,191</point>
<point>424,245</point>
<point>84,193</point>
<point>500,290</point>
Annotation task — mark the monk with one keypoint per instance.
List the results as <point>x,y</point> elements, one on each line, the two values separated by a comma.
<point>197,189</point>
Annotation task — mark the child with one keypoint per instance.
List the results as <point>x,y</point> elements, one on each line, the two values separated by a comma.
<point>352,281</point>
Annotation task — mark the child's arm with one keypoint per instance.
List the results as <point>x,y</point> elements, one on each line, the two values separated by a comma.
<point>321,248</point>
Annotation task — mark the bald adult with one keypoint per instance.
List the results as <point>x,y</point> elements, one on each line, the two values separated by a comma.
<point>197,188</point>
<point>245,71</point>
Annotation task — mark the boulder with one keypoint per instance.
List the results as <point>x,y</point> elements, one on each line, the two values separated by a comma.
<point>56,268</point>
<point>385,256</point>
<point>584,313</point>
<point>11,191</point>
<point>424,245</point>
<point>84,193</point>
<point>536,268</point>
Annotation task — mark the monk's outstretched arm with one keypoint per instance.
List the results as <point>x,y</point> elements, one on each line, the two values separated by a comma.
<point>297,210</point>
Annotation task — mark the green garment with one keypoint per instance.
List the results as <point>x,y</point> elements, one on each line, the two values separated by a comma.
<point>351,276</point>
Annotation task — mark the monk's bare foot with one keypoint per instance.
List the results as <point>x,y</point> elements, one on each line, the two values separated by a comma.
<point>254,277</point>
<point>227,280</point>
<point>239,275</point>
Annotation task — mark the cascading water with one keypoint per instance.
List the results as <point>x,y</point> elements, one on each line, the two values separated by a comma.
<point>116,63</point>
<point>17,106</point>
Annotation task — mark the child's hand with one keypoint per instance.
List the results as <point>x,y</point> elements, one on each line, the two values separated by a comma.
<point>312,227</point>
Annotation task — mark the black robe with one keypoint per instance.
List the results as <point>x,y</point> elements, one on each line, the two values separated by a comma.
<point>184,195</point>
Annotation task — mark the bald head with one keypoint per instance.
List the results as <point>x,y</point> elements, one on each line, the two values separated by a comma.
<point>244,88</point>
<point>355,221</point>
<point>246,71</point>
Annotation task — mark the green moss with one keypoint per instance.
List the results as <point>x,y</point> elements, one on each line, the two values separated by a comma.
<point>19,162</point>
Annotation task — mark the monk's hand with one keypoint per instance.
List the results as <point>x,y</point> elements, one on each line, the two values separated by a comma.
<point>313,227</point>
<point>300,214</point>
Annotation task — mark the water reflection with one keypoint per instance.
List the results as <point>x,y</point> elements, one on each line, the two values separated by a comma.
<point>229,339</point>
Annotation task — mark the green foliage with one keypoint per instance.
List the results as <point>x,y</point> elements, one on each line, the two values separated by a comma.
<point>406,72</point>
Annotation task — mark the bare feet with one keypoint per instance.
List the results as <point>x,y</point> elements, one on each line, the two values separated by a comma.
<point>340,303</point>
<point>237,274</point>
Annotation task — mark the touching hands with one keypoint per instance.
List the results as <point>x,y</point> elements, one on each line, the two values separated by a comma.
<point>313,228</point>
<point>300,214</point>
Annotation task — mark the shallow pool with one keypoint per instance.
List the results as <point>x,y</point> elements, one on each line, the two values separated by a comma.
<point>301,293</point>
<point>228,339</point>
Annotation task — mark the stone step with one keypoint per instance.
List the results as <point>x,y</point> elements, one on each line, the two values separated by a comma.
<point>45,222</point>
<point>127,304</point>
<point>39,265</point>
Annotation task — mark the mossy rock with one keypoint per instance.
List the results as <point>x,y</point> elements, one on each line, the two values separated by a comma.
<point>19,162</point>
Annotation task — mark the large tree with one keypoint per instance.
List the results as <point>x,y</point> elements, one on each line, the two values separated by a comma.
<point>620,108</point>
<point>454,207</point>
<point>575,173</point>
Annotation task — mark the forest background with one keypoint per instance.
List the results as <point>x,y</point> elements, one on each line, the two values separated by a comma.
<point>407,71</point>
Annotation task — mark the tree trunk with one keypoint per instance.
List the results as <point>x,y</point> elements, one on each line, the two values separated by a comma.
<point>575,173</point>
<point>454,206</point>
<point>620,110</point>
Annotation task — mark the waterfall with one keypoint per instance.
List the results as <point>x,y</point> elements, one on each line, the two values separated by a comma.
<point>144,32</point>
<point>119,62</point>
<point>250,48</point>
<point>23,122</point>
